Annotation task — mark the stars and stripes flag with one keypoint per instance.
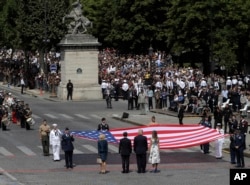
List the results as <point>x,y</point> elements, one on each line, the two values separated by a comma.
<point>171,136</point>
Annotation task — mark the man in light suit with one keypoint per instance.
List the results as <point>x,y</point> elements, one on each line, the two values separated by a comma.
<point>125,149</point>
<point>140,148</point>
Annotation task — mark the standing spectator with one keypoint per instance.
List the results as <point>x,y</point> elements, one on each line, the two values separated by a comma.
<point>154,155</point>
<point>125,149</point>
<point>69,90</point>
<point>142,101</point>
<point>150,95</point>
<point>102,146</point>
<point>140,149</point>
<point>218,115</point>
<point>108,97</point>
<point>219,142</point>
<point>227,113</point>
<point>27,115</point>
<point>164,96</point>
<point>22,85</point>
<point>103,126</point>
<point>117,89</point>
<point>233,123</point>
<point>125,88</point>
<point>55,142</point>
<point>180,113</point>
<point>130,98</point>
<point>44,131</point>
<point>103,86</point>
<point>68,147</point>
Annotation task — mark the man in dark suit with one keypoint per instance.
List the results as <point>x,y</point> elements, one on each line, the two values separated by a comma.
<point>125,149</point>
<point>140,148</point>
<point>181,114</point>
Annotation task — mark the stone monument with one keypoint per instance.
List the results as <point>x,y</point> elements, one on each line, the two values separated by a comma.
<point>79,58</point>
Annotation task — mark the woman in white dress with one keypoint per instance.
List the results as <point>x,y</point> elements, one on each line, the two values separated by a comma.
<point>154,156</point>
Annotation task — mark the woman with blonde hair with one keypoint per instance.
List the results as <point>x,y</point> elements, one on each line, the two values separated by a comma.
<point>102,146</point>
<point>154,155</point>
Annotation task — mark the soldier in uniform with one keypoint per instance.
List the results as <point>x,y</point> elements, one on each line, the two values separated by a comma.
<point>27,114</point>
<point>44,131</point>
<point>239,148</point>
<point>70,90</point>
<point>103,126</point>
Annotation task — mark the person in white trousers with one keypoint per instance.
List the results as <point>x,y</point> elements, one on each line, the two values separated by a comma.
<point>55,142</point>
<point>219,142</point>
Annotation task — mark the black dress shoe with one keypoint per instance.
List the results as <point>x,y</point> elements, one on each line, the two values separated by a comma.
<point>233,162</point>
<point>123,171</point>
<point>238,166</point>
<point>138,171</point>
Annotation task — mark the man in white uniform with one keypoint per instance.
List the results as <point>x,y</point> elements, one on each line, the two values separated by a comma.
<point>55,142</point>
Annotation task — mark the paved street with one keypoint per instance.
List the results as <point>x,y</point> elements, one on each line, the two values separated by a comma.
<point>21,160</point>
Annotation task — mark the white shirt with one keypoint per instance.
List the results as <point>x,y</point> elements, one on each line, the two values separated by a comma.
<point>203,83</point>
<point>224,93</point>
<point>182,84</point>
<point>104,85</point>
<point>158,84</point>
<point>229,82</point>
<point>234,81</point>
<point>125,86</point>
<point>22,82</point>
<point>191,84</point>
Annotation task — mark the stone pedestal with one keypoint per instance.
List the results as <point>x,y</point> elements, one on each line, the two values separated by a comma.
<point>79,63</point>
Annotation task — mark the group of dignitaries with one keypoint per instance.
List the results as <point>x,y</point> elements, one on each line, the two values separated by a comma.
<point>140,147</point>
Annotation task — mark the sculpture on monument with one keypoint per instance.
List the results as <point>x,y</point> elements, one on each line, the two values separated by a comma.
<point>79,23</point>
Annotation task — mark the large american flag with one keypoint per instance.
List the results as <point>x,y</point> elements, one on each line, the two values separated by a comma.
<point>171,136</point>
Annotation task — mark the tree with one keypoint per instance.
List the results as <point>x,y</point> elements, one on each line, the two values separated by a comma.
<point>40,22</point>
<point>8,14</point>
<point>215,28</point>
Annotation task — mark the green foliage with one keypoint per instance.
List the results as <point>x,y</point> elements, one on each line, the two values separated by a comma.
<point>218,29</point>
<point>23,24</point>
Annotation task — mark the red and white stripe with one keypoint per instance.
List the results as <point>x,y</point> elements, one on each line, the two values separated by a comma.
<point>173,136</point>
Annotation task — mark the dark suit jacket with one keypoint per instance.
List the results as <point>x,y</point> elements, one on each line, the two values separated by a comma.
<point>181,113</point>
<point>125,147</point>
<point>66,143</point>
<point>140,144</point>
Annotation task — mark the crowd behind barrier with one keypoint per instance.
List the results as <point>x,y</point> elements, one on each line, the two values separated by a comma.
<point>17,64</point>
<point>124,76</point>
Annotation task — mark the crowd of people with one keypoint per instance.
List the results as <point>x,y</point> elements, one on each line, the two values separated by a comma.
<point>18,68</point>
<point>14,111</point>
<point>145,82</point>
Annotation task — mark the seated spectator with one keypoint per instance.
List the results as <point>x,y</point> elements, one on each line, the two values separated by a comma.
<point>201,103</point>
